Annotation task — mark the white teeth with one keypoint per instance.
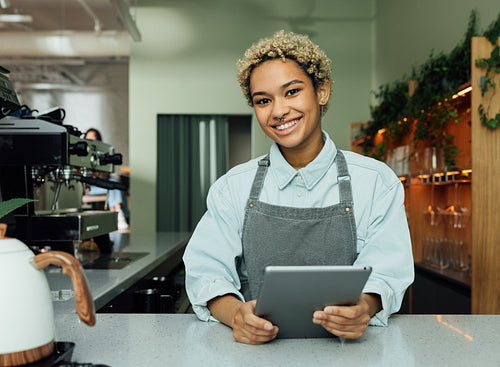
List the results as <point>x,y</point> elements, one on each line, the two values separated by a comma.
<point>287,125</point>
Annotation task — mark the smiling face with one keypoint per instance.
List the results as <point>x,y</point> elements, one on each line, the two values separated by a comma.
<point>288,107</point>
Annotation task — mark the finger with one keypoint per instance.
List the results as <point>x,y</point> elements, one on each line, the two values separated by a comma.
<point>348,334</point>
<point>252,329</point>
<point>345,328</point>
<point>250,336</point>
<point>253,320</point>
<point>260,324</point>
<point>257,322</point>
<point>260,331</point>
<point>252,339</point>
<point>321,317</point>
<point>340,322</point>
<point>341,326</point>
<point>350,330</point>
<point>348,312</point>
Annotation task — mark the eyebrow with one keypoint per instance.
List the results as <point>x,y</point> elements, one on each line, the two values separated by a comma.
<point>295,81</point>
<point>284,86</point>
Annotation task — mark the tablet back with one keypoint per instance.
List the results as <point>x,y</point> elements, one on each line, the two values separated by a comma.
<point>290,295</point>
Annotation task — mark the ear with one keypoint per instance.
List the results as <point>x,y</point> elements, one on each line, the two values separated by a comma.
<point>323,92</point>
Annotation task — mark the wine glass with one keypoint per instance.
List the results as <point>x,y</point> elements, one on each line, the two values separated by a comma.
<point>457,215</point>
<point>432,211</point>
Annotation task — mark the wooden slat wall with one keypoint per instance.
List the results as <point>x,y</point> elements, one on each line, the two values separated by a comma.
<point>485,194</point>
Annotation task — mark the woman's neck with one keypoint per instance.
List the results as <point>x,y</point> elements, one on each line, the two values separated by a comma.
<point>299,157</point>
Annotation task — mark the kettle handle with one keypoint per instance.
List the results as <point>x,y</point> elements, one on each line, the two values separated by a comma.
<point>72,267</point>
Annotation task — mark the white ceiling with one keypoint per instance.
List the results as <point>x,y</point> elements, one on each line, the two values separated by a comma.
<point>65,35</point>
<point>57,15</point>
<point>67,28</point>
<point>64,40</point>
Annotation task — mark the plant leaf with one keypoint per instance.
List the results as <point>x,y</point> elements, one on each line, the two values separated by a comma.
<point>9,205</point>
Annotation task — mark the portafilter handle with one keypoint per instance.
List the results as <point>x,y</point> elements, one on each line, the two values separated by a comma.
<point>105,184</point>
<point>115,159</point>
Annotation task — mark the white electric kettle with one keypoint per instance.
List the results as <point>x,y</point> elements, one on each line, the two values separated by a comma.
<point>27,328</point>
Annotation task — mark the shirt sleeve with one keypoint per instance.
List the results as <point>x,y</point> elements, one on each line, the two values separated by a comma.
<point>387,249</point>
<point>213,252</point>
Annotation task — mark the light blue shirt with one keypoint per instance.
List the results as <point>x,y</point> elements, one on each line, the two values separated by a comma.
<point>383,239</point>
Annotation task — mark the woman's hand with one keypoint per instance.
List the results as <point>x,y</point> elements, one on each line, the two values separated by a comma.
<point>251,329</point>
<point>349,321</point>
<point>247,327</point>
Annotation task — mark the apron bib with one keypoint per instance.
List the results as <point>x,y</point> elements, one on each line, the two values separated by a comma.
<point>281,235</point>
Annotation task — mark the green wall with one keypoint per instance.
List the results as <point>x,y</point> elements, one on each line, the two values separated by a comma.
<point>407,31</point>
<point>185,64</point>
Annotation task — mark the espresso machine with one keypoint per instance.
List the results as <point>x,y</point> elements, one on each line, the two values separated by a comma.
<point>38,150</point>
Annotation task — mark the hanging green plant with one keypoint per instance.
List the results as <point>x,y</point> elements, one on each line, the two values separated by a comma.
<point>430,106</point>
<point>389,116</point>
<point>492,66</point>
<point>430,129</point>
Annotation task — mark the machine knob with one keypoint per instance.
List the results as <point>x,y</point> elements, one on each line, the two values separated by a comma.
<point>115,159</point>
<point>81,149</point>
<point>93,161</point>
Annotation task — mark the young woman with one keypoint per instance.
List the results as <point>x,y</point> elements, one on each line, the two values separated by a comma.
<point>306,203</point>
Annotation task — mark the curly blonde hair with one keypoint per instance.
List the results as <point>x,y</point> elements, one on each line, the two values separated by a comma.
<point>289,46</point>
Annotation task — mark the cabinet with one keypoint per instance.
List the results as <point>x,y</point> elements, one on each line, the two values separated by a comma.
<point>162,290</point>
<point>454,215</point>
<point>440,292</point>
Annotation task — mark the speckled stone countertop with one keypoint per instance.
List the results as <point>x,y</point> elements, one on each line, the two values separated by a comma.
<point>182,340</point>
<point>108,283</point>
<point>122,340</point>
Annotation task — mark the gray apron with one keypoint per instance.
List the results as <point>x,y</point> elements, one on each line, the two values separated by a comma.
<point>281,235</point>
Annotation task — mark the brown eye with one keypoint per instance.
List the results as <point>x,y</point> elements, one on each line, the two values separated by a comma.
<point>262,101</point>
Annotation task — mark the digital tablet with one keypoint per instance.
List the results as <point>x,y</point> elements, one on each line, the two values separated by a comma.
<point>290,294</point>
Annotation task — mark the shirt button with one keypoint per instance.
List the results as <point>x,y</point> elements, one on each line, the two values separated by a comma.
<point>299,193</point>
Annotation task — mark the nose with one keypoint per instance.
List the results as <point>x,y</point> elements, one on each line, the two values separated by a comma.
<point>280,109</point>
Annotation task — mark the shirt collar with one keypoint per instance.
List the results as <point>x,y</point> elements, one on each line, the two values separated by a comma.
<point>284,173</point>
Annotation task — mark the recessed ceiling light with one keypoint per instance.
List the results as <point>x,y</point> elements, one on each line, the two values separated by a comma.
<point>4,4</point>
<point>15,18</point>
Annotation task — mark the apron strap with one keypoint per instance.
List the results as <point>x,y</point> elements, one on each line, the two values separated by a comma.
<point>344,179</point>
<point>259,179</point>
